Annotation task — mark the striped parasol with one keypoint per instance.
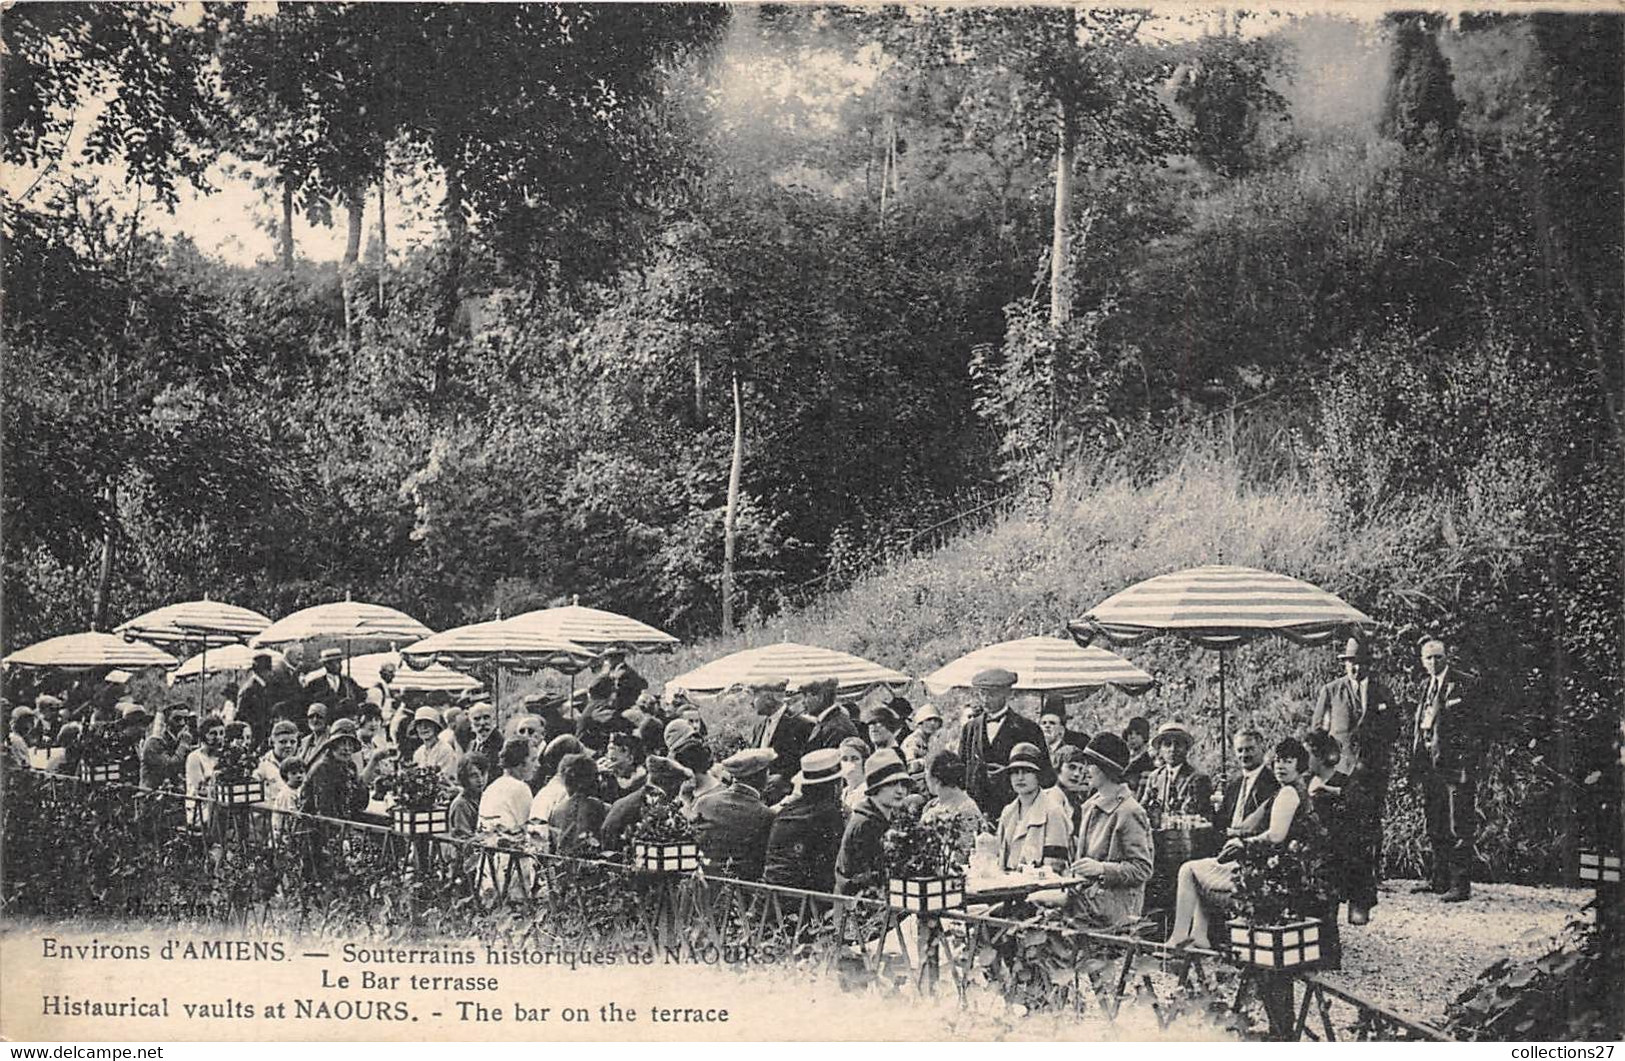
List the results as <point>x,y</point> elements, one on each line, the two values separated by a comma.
<point>207,621</point>
<point>433,678</point>
<point>346,622</point>
<point>1219,607</point>
<point>90,649</point>
<point>598,630</point>
<point>1044,664</point>
<point>788,661</point>
<point>232,659</point>
<point>499,644</point>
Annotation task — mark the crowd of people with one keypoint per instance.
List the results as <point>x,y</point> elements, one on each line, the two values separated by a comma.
<point>808,799</point>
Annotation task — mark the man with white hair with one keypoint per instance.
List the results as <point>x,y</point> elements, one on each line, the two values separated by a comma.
<point>1444,758</point>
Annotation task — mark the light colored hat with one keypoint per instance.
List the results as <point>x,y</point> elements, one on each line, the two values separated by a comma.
<point>749,761</point>
<point>45,700</point>
<point>993,678</point>
<point>1173,731</point>
<point>20,712</point>
<point>118,677</point>
<point>819,767</point>
<point>427,714</point>
<point>677,731</point>
<point>130,713</point>
<point>331,654</point>
<point>343,731</point>
<point>884,767</point>
<point>926,713</point>
<point>1355,650</point>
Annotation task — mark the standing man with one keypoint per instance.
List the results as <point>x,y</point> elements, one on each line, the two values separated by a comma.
<point>781,730</point>
<point>254,700</point>
<point>832,724</point>
<point>1444,758</point>
<point>381,696</point>
<point>987,737</point>
<point>331,686</point>
<point>1361,714</point>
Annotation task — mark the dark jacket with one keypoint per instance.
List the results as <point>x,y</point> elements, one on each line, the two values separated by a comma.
<point>317,689</point>
<point>1138,768</point>
<point>805,841</point>
<point>1264,790</point>
<point>254,702</point>
<point>576,824</point>
<point>992,792</point>
<point>830,730</point>
<point>789,744</point>
<point>1450,747</point>
<point>1187,792</point>
<point>595,734</point>
<point>861,865</point>
<point>732,825</point>
<point>163,764</point>
<point>622,815</point>
<point>1365,732</point>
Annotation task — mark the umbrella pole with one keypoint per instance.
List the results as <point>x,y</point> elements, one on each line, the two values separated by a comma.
<point>1224,722</point>
<point>203,678</point>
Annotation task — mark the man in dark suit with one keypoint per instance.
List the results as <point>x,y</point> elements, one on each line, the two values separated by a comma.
<point>255,698</point>
<point>331,686</point>
<point>488,740</point>
<point>782,730</point>
<point>987,737</point>
<point>732,823</point>
<point>832,723</point>
<point>1363,716</point>
<point>1244,809</point>
<point>1444,758</point>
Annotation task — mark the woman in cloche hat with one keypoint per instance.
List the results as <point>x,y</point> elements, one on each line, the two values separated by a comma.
<point>1034,827</point>
<point>1113,842</point>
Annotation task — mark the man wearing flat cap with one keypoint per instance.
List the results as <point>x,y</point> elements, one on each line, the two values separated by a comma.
<point>781,730</point>
<point>331,686</point>
<point>1175,787</point>
<point>1363,717</point>
<point>832,723</point>
<point>731,823</point>
<point>989,734</point>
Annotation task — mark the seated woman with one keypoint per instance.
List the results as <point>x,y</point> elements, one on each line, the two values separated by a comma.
<point>945,781</point>
<point>854,753</point>
<point>1112,847</point>
<point>576,822</point>
<point>1034,827</point>
<point>1206,884</point>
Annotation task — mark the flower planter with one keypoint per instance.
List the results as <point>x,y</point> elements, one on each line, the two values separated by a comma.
<point>1599,868</point>
<point>926,894</point>
<point>681,857</point>
<point>1293,945</point>
<point>103,773</point>
<point>240,793</point>
<point>430,822</point>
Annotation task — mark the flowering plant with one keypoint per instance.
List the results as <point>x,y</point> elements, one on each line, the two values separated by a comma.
<point>663,822</point>
<point>234,765</point>
<point>1275,882</point>
<point>916,848</point>
<point>419,788</point>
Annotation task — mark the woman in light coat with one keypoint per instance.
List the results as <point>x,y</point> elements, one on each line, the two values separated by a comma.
<point>1113,844</point>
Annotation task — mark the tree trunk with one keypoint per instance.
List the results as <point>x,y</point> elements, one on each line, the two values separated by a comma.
<point>354,204</point>
<point>733,507</point>
<point>451,281</point>
<point>1060,289</point>
<point>287,223</point>
<point>104,576</point>
<point>699,387</point>
<point>383,239</point>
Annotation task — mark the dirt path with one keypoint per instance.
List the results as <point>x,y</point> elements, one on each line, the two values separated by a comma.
<point>1418,954</point>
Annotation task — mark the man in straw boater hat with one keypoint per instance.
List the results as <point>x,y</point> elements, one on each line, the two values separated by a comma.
<point>806,836</point>
<point>331,686</point>
<point>781,729</point>
<point>1175,787</point>
<point>1362,715</point>
<point>861,865</point>
<point>989,735</point>
<point>731,823</point>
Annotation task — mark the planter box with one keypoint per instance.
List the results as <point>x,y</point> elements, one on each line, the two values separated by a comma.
<point>1294,945</point>
<point>102,773</point>
<point>1596,866</point>
<point>666,858</point>
<point>240,793</point>
<point>421,822</point>
<point>926,895</point>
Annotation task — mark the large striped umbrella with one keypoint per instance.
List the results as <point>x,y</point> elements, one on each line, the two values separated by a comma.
<point>90,649</point>
<point>499,643</point>
<point>1044,664</point>
<point>788,661</point>
<point>232,659</point>
<point>207,621</point>
<point>1219,607</point>
<point>598,630</point>
<point>434,678</point>
<point>345,622</point>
